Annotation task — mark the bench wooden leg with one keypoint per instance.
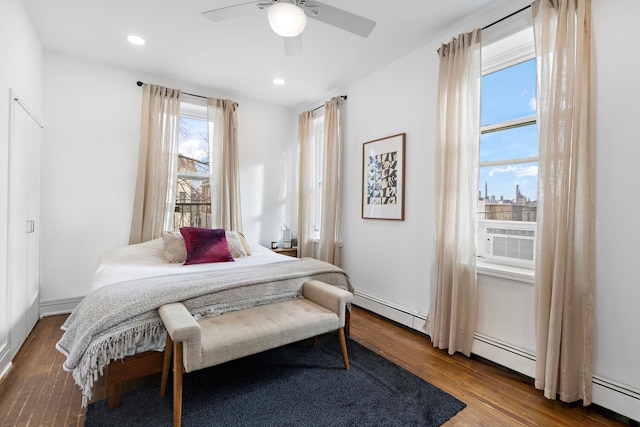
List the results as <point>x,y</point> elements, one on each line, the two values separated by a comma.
<point>347,322</point>
<point>166,365</point>
<point>177,384</point>
<point>343,347</point>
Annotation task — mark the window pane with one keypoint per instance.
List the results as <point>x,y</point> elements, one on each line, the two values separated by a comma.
<point>508,192</point>
<point>193,203</point>
<point>515,143</point>
<point>193,145</point>
<point>509,93</point>
<point>318,130</point>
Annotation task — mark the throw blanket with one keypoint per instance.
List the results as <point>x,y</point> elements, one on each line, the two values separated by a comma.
<point>122,319</point>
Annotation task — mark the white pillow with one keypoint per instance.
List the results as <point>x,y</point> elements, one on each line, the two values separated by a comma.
<point>246,246</point>
<point>175,250</point>
<point>235,244</point>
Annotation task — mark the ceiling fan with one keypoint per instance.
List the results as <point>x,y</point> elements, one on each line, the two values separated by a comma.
<point>288,18</point>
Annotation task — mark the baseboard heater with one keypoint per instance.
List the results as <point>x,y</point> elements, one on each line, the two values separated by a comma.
<point>401,315</point>
<point>617,397</point>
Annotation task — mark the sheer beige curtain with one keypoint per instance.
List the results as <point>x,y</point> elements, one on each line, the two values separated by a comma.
<point>306,184</point>
<point>226,211</point>
<point>330,236</point>
<point>564,283</point>
<point>157,163</point>
<point>330,233</point>
<point>452,318</point>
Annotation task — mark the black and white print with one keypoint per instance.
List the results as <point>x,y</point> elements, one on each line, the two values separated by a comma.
<point>382,179</point>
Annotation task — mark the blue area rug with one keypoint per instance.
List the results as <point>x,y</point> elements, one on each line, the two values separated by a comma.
<point>295,385</point>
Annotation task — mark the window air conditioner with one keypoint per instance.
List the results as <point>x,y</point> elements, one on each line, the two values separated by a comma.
<point>507,242</point>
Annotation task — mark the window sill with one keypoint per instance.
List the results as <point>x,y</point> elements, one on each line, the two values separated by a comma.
<point>518,274</point>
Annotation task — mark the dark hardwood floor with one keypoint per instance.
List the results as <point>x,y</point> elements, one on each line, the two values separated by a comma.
<point>38,392</point>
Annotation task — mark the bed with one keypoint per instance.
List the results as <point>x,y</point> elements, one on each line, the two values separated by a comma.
<point>119,321</point>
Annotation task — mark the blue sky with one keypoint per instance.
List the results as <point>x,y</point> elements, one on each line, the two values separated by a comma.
<point>507,94</point>
<point>193,139</point>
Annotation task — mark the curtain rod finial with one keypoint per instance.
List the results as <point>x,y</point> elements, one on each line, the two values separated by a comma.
<point>139,83</point>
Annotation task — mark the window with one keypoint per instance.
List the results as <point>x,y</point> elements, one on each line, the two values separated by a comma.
<point>319,158</point>
<point>508,160</point>
<point>193,190</point>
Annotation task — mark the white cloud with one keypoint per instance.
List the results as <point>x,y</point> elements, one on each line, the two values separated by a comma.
<point>504,169</point>
<point>533,106</point>
<point>518,170</point>
<point>527,171</point>
<point>194,149</point>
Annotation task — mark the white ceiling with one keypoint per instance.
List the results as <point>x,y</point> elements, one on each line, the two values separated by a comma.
<point>242,56</point>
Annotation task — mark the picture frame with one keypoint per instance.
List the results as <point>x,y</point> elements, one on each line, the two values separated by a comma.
<point>383,175</point>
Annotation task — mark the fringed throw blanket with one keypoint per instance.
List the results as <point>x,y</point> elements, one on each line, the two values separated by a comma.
<point>122,319</point>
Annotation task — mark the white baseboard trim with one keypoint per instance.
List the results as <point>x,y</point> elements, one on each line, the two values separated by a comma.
<point>53,307</point>
<point>5,366</point>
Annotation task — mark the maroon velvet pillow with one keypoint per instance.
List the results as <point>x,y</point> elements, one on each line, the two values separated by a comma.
<point>205,245</point>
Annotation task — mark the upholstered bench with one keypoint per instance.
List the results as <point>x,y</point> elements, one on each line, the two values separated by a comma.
<point>214,340</point>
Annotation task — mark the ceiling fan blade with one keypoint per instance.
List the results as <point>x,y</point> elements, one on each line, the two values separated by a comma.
<point>342,19</point>
<point>230,12</point>
<point>292,45</point>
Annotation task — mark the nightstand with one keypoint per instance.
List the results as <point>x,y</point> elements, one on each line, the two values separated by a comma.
<point>287,251</point>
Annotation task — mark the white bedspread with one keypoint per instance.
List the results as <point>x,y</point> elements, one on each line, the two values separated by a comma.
<point>146,260</point>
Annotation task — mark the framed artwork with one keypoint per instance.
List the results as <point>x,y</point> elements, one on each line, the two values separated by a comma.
<point>383,178</point>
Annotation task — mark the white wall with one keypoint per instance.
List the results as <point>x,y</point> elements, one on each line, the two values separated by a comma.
<point>617,331</point>
<point>90,161</point>
<point>20,70</point>
<point>391,259</point>
<point>389,262</point>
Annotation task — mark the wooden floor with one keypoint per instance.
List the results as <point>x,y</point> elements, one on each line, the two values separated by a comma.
<point>37,392</point>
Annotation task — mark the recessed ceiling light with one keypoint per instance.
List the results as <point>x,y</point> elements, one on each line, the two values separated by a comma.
<point>278,82</point>
<point>137,40</point>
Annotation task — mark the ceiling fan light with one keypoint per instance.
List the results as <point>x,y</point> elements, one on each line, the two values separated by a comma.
<point>137,40</point>
<point>286,19</point>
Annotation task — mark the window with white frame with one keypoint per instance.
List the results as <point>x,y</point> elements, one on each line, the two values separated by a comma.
<point>193,190</point>
<point>508,160</point>
<point>319,159</point>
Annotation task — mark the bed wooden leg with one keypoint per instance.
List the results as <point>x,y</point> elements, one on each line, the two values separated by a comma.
<point>115,391</point>
<point>127,369</point>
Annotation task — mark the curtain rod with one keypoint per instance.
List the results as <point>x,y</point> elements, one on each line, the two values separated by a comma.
<point>506,17</point>
<point>341,96</point>
<point>139,83</point>
<point>500,20</point>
